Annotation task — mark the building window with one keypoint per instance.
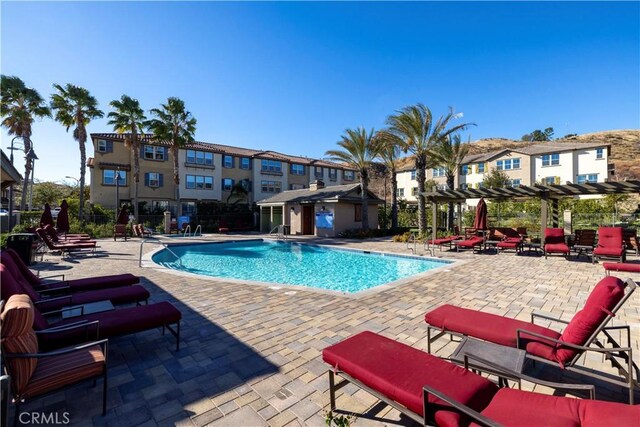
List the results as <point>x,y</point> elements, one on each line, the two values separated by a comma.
<point>157,205</point>
<point>245,163</point>
<point>227,184</point>
<point>438,172</point>
<point>297,169</point>
<point>514,183</point>
<point>508,164</point>
<point>271,186</point>
<point>109,177</point>
<point>414,191</point>
<point>400,192</point>
<point>153,179</point>
<point>465,170</point>
<point>227,162</point>
<point>599,153</point>
<point>102,146</point>
<point>151,152</point>
<point>349,175</point>
<point>590,177</point>
<point>516,163</point>
<point>199,182</point>
<point>199,157</point>
<point>318,172</point>
<point>551,159</point>
<point>271,166</point>
<point>464,186</point>
<point>296,186</point>
<point>357,213</point>
<point>413,175</point>
<point>550,180</point>
<point>333,174</point>
<point>480,167</point>
<point>188,208</point>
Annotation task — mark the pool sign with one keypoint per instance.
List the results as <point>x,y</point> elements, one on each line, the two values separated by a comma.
<point>324,220</point>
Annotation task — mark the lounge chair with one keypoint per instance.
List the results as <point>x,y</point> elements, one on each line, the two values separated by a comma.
<point>67,286</point>
<point>433,391</point>
<point>66,238</point>
<point>470,243</point>
<point>547,345</point>
<point>34,373</point>
<point>506,243</point>
<point>585,242</point>
<point>620,266</point>
<point>120,230</point>
<point>64,247</point>
<point>554,242</point>
<point>610,244</point>
<point>55,300</point>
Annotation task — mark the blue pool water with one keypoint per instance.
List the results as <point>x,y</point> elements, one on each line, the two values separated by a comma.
<point>295,264</point>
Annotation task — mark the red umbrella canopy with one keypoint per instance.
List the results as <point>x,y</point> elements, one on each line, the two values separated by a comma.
<point>63,218</point>
<point>480,222</point>
<point>46,218</point>
<point>123,216</point>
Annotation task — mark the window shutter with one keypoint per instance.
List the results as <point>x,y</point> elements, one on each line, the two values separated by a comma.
<point>146,179</point>
<point>249,186</point>
<point>142,151</point>
<point>557,180</point>
<point>160,179</point>
<point>109,146</point>
<point>165,152</point>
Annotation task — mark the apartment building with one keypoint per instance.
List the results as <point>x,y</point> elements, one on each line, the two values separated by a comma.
<point>208,172</point>
<point>546,163</point>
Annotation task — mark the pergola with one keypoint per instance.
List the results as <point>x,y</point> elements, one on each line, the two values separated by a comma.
<point>548,195</point>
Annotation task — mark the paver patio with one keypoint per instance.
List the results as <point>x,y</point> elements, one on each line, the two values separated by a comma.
<point>250,354</point>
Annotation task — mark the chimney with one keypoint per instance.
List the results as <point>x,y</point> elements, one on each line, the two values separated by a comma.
<point>316,185</point>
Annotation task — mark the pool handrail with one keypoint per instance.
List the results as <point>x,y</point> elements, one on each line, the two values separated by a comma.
<point>164,245</point>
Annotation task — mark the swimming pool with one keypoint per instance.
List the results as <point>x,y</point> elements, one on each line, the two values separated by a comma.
<point>314,266</point>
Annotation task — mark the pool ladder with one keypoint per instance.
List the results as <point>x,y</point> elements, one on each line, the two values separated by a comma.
<point>414,239</point>
<point>187,231</point>
<point>279,232</point>
<point>164,245</point>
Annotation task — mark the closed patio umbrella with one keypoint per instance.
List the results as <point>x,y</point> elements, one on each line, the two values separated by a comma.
<point>63,218</point>
<point>480,221</point>
<point>46,218</point>
<point>123,216</point>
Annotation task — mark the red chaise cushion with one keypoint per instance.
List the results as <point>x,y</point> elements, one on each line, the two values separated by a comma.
<point>469,243</point>
<point>399,372</point>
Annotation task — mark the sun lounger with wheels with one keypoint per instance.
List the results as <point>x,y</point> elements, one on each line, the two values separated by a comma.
<point>433,391</point>
<point>547,345</point>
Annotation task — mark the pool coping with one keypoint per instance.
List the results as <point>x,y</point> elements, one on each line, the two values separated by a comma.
<point>290,289</point>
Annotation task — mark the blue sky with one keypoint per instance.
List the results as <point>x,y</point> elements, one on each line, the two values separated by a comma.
<point>292,76</point>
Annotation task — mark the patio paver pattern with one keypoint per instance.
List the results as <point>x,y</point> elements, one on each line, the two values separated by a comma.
<point>251,354</point>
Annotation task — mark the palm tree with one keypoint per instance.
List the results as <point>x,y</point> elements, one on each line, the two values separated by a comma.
<point>415,127</point>
<point>75,106</point>
<point>448,154</point>
<point>176,125</point>
<point>359,148</point>
<point>19,107</point>
<point>128,118</point>
<point>389,155</point>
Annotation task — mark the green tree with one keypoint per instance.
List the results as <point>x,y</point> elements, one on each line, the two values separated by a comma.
<point>495,179</point>
<point>175,125</point>
<point>359,149</point>
<point>415,127</point>
<point>128,119</point>
<point>238,193</point>
<point>448,154</point>
<point>389,155</point>
<point>75,106</point>
<point>19,107</point>
<point>539,135</point>
<point>49,192</point>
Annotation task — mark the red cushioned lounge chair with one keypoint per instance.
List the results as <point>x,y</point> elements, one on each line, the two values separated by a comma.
<point>470,243</point>
<point>64,247</point>
<point>34,373</point>
<point>514,243</point>
<point>620,266</point>
<point>546,345</point>
<point>66,238</point>
<point>554,242</point>
<point>67,286</point>
<point>610,244</point>
<point>433,391</point>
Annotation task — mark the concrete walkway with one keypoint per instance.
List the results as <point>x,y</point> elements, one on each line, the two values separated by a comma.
<point>250,354</point>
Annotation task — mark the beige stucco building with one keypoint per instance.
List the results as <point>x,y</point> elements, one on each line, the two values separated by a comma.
<point>319,210</point>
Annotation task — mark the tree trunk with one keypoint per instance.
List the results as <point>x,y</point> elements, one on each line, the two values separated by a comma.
<point>28,166</point>
<point>421,176</point>
<point>450,184</point>
<point>364,184</point>
<point>394,200</point>
<point>176,177</point>
<point>81,133</point>
<point>135,147</point>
